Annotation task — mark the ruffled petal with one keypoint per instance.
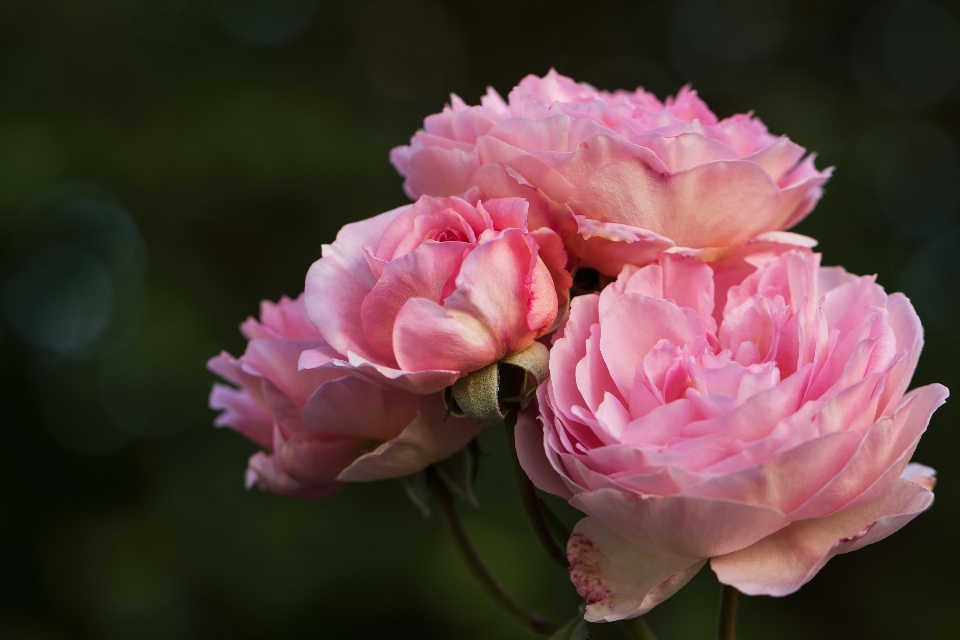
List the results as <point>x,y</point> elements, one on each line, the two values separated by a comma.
<point>783,562</point>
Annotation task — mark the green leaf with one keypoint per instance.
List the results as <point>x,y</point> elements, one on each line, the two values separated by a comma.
<point>575,629</point>
<point>458,473</point>
<point>419,493</point>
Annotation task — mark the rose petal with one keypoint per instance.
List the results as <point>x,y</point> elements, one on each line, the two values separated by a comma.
<point>620,580</point>
<point>430,437</point>
<point>783,562</point>
<point>688,526</point>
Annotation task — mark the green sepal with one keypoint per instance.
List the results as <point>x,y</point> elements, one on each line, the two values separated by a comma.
<point>458,472</point>
<point>477,394</point>
<point>483,394</point>
<point>535,360</point>
<point>453,409</point>
<point>417,490</point>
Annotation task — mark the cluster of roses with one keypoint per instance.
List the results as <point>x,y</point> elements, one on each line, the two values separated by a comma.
<point>718,395</point>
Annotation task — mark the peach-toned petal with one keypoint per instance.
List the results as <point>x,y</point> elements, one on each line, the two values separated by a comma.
<point>783,562</point>
<point>430,437</point>
<point>620,580</point>
<point>688,526</point>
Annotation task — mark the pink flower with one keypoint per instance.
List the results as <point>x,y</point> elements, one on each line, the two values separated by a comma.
<point>323,427</point>
<point>621,176</point>
<point>759,421</point>
<point>420,296</point>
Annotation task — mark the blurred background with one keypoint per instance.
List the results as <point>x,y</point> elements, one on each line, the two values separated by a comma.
<point>166,164</point>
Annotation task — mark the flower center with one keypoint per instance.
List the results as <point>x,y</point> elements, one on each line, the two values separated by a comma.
<point>446,235</point>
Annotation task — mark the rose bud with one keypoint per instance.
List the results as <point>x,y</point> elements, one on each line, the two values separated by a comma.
<point>323,427</point>
<point>420,296</point>
<point>621,176</point>
<point>760,422</point>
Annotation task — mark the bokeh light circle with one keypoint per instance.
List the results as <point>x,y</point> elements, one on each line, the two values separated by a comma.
<point>932,281</point>
<point>906,55</point>
<point>724,46</point>
<point>266,22</point>
<point>918,180</point>
<point>60,299</point>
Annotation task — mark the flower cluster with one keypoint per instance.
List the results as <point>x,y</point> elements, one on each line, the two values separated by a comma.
<point>725,398</point>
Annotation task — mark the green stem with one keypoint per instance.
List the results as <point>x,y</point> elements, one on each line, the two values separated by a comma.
<point>475,564</point>
<point>727,620</point>
<point>638,629</point>
<point>530,499</point>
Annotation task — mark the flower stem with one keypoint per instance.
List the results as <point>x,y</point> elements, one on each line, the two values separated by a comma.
<point>638,629</point>
<point>530,500</point>
<point>475,564</point>
<point>727,621</point>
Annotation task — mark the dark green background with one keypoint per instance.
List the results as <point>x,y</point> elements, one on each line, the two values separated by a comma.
<point>238,146</point>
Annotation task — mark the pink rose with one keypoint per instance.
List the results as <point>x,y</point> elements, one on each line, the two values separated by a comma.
<point>759,422</point>
<point>422,295</point>
<point>323,427</point>
<point>620,175</point>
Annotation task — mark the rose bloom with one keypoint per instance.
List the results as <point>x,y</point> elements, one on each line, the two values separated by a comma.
<point>420,296</point>
<point>323,427</point>
<point>760,423</point>
<point>620,175</point>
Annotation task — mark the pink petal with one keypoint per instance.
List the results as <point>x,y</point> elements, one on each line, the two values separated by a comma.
<point>608,246</point>
<point>554,257</point>
<point>716,204</point>
<point>906,327</point>
<point>532,454</point>
<point>689,283</point>
<point>885,449</point>
<point>419,382</point>
<point>287,319</point>
<point>421,273</point>
<point>437,171</point>
<point>507,213</point>
<point>263,470</point>
<point>685,150</point>
<point>532,169</point>
<point>569,350</point>
<point>783,562</point>
<point>428,337</point>
<point>688,526</point>
<point>620,580</point>
<point>276,360</point>
<point>633,325</point>
<point>787,479</point>
<point>241,413</point>
<point>430,437</point>
<point>354,407</point>
<point>492,289</point>
<point>779,158</point>
<point>337,284</point>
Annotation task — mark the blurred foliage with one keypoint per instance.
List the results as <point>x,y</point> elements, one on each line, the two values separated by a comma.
<point>166,164</point>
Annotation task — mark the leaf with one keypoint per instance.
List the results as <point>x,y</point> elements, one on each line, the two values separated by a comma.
<point>574,629</point>
<point>458,473</point>
<point>419,493</point>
